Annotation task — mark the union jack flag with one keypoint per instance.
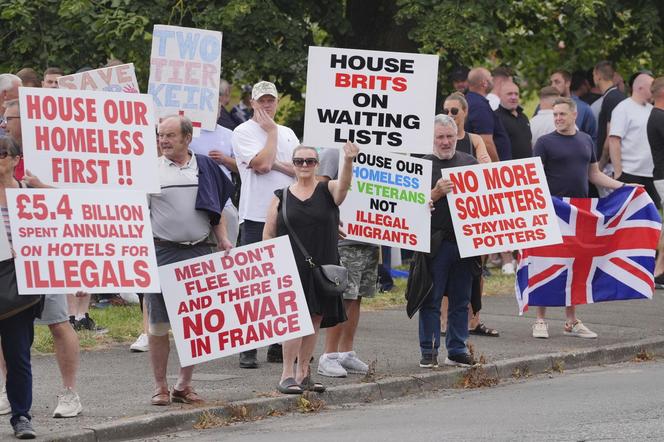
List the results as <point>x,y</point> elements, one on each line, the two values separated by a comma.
<point>607,253</point>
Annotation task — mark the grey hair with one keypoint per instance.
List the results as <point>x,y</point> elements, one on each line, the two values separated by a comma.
<point>186,127</point>
<point>224,87</point>
<point>7,81</point>
<point>301,147</point>
<point>10,146</point>
<point>445,120</point>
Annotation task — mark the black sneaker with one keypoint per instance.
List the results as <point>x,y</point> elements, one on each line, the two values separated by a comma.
<point>23,428</point>
<point>429,361</point>
<point>248,359</point>
<point>72,321</point>
<point>659,281</point>
<point>87,323</point>
<point>275,353</point>
<point>460,360</point>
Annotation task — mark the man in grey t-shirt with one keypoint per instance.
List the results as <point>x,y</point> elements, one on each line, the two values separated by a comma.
<point>361,260</point>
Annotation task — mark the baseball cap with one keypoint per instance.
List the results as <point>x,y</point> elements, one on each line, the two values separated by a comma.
<point>263,88</point>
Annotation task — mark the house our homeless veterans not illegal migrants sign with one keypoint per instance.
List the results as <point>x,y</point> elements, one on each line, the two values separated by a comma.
<point>380,99</point>
<point>497,207</point>
<point>98,241</point>
<point>185,66</point>
<point>121,78</point>
<point>90,139</point>
<point>388,202</point>
<point>225,303</point>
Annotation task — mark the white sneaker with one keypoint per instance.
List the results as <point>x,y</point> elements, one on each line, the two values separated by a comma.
<point>5,407</point>
<point>579,330</point>
<point>352,364</point>
<point>141,344</point>
<point>329,365</point>
<point>540,330</point>
<point>69,404</point>
<point>508,269</point>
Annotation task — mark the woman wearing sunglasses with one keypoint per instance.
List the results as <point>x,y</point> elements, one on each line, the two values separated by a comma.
<point>313,214</point>
<point>456,106</point>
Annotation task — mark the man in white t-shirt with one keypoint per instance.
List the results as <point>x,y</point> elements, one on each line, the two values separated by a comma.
<point>542,123</point>
<point>263,153</point>
<point>628,137</point>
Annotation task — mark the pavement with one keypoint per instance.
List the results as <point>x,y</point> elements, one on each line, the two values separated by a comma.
<point>115,385</point>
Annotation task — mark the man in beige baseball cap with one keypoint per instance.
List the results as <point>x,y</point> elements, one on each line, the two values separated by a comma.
<point>263,152</point>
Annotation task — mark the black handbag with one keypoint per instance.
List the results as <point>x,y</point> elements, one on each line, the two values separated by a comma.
<point>11,303</point>
<point>330,280</point>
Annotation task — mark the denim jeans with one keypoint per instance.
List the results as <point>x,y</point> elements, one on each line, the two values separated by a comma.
<point>452,276</point>
<point>17,333</point>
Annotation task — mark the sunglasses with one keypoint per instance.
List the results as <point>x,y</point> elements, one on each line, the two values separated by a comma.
<point>453,110</point>
<point>3,154</point>
<point>299,162</point>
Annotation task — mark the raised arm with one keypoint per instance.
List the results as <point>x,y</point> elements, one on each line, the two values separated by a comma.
<point>263,161</point>
<point>339,188</point>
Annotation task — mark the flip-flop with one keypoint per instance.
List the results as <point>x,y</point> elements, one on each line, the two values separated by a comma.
<point>289,386</point>
<point>309,385</point>
<point>483,330</point>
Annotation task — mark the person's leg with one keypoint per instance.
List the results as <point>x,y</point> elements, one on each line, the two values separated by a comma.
<point>159,345</point>
<point>159,350</point>
<point>429,314</point>
<point>443,315</point>
<point>306,350</point>
<point>541,313</point>
<point>67,352</point>
<point>459,285</point>
<point>349,327</point>
<point>141,344</point>
<point>17,334</point>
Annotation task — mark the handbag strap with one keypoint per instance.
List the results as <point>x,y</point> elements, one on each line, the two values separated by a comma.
<point>284,215</point>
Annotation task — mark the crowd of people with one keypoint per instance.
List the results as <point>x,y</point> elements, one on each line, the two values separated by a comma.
<point>231,185</point>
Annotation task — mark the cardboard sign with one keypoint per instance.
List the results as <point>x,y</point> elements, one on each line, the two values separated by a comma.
<point>222,304</point>
<point>98,241</point>
<point>388,202</point>
<point>381,99</point>
<point>5,247</point>
<point>498,207</point>
<point>89,139</point>
<point>185,66</point>
<point>121,78</point>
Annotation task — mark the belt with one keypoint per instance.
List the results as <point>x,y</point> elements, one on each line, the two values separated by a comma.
<point>177,245</point>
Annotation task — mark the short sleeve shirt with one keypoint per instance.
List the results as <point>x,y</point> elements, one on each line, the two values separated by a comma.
<point>656,141</point>
<point>566,159</point>
<point>629,121</point>
<point>483,121</point>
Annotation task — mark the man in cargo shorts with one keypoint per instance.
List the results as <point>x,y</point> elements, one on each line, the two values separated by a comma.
<point>361,260</point>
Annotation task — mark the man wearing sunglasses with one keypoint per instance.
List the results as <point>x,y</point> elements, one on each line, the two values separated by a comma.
<point>263,150</point>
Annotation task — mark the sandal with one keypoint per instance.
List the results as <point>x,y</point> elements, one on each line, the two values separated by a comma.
<point>483,330</point>
<point>289,386</point>
<point>309,385</point>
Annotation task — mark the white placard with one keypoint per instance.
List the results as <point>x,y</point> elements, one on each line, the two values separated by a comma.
<point>498,207</point>
<point>121,78</point>
<point>388,202</point>
<point>375,98</point>
<point>89,139</point>
<point>222,304</point>
<point>97,241</point>
<point>185,67</point>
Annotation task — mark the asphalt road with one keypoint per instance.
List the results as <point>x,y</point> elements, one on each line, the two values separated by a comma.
<point>620,402</point>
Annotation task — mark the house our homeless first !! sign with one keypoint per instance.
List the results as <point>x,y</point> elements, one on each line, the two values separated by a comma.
<point>497,207</point>
<point>379,99</point>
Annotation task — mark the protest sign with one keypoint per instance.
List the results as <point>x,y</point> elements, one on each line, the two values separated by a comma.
<point>98,241</point>
<point>121,78</point>
<point>222,304</point>
<point>185,65</point>
<point>381,99</point>
<point>388,202</point>
<point>5,247</point>
<point>497,207</point>
<point>89,139</point>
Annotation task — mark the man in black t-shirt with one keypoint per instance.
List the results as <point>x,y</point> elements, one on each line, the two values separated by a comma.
<point>450,273</point>
<point>515,121</point>
<point>569,162</point>
<point>655,130</point>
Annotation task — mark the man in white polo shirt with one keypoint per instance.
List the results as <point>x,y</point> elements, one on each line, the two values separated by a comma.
<point>263,151</point>
<point>628,137</point>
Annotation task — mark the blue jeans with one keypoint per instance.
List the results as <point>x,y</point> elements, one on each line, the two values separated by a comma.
<point>451,275</point>
<point>17,333</point>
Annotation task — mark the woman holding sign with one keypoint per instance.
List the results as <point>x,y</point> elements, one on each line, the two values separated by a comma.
<point>313,217</point>
<point>17,312</point>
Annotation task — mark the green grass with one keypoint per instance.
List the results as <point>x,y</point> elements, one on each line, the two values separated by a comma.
<point>124,324</point>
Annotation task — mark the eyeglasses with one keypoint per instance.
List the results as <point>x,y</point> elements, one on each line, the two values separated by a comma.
<point>453,110</point>
<point>299,162</point>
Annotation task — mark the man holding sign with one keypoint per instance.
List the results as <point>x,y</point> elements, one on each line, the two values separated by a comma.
<point>450,273</point>
<point>193,194</point>
<point>569,161</point>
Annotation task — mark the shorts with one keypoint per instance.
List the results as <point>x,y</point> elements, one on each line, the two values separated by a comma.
<point>154,302</point>
<point>55,310</point>
<point>361,260</point>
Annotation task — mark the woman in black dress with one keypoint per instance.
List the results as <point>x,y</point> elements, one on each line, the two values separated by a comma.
<point>313,213</point>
